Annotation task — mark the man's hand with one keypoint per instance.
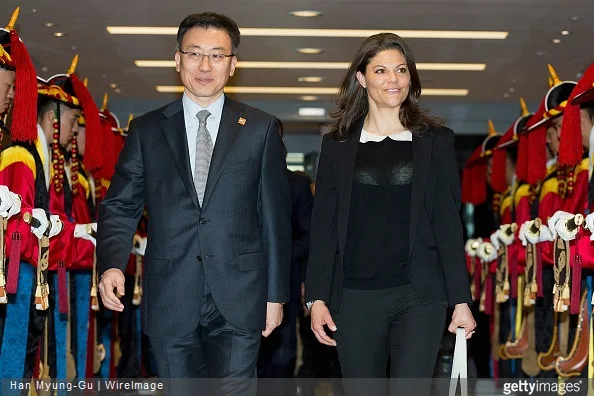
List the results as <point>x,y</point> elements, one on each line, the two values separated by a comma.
<point>462,317</point>
<point>320,316</point>
<point>274,317</point>
<point>113,278</point>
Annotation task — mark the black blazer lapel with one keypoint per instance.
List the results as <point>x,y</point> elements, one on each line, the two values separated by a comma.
<point>174,132</point>
<point>422,157</point>
<point>347,155</point>
<point>229,131</point>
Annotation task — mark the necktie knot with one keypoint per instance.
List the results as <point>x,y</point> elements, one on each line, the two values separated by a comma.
<point>202,116</point>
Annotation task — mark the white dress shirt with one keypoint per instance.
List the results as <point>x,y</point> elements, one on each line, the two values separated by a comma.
<point>43,145</point>
<point>405,136</point>
<point>212,123</point>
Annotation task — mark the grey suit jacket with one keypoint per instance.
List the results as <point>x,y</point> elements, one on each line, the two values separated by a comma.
<point>239,240</point>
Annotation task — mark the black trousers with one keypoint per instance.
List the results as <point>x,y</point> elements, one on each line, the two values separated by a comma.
<point>390,326</point>
<point>216,350</point>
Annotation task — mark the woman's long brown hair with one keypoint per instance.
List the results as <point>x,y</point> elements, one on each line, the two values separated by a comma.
<point>352,98</point>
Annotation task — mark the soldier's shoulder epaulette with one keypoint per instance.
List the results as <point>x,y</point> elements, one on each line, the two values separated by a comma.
<point>521,192</point>
<point>505,204</point>
<point>582,166</point>
<point>84,183</point>
<point>17,154</point>
<point>550,185</point>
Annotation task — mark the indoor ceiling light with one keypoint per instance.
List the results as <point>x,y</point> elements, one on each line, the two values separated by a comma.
<point>305,13</point>
<point>113,85</point>
<point>49,24</point>
<point>321,65</point>
<point>59,34</point>
<point>565,32</point>
<point>311,111</point>
<point>556,41</point>
<point>307,90</point>
<point>356,33</point>
<point>310,51</point>
<point>309,98</point>
<point>311,79</point>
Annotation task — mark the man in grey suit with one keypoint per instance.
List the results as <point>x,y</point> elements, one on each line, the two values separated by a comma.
<point>212,174</point>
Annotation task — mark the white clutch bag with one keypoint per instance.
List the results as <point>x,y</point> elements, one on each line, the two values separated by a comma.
<point>459,365</point>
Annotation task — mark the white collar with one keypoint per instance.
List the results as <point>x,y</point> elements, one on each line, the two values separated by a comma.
<point>551,162</point>
<point>405,136</point>
<point>191,108</point>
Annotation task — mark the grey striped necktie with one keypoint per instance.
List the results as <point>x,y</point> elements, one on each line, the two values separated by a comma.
<point>204,148</point>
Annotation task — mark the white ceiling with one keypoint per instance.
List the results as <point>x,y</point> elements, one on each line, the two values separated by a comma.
<point>518,62</point>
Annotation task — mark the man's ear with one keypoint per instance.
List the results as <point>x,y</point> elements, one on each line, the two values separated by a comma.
<point>177,58</point>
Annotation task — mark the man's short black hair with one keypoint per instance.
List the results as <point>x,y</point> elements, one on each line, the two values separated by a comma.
<point>207,20</point>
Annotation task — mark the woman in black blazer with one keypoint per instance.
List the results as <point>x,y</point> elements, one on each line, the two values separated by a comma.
<point>386,249</point>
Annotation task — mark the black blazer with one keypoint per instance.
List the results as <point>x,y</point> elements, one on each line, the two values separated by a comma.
<point>437,264</point>
<point>240,239</point>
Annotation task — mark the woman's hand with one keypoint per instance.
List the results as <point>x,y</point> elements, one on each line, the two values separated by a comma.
<point>320,316</point>
<point>462,317</point>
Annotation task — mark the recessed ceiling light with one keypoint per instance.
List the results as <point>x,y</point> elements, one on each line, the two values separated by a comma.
<point>117,90</point>
<point>512,90</point>
<point>59,34</point>
<point>311,79</point>
<point>556,41</point>
<point>113,85</point>
<point>565,32</point>
<point>353,33</point>
<point>311,111</point>
<point>306,13</point>
<point>49,24</point>
<point>309,97</point>
<point>308,90</point>
<point>506,95</point>
<point>310,51</point>
<point>574,18</point>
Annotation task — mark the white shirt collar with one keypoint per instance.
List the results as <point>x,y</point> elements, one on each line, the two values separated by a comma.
<point>551,162</point>
<point>45,155</point>
<point>191,108</point>
<point>405,136</point>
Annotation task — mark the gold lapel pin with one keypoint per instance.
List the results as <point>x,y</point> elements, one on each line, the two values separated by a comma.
<point>241,121</point>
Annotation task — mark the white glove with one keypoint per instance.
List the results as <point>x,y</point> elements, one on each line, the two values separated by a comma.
<point>139,245</point>
<point>545,234</point>
<point>552,222</point>
<point>495,240</point>
<point>40,215</point>
<point>11,203</point>
<point>589,220</point>
<point>80,231</point>
<point>504,237</point>
<point>487,252</point>
<point>56,225</point>
<point>5,199</point>
<point>522,233</point>
<point>563,232</point>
